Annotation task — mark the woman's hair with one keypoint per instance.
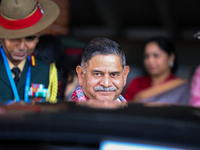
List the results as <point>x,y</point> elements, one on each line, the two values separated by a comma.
<point>166,45</point>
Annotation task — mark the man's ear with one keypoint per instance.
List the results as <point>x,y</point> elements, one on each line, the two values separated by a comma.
<point>80,72</point>
<point>38,36</point>
<point>126,71</point>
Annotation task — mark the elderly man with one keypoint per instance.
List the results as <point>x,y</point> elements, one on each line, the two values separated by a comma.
<point>22,75</point>
<point>103,72</point>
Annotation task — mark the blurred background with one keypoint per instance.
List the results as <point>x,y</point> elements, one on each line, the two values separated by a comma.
<point>130,22</point>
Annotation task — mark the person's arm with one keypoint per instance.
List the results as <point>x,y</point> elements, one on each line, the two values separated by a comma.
<point>195,89</point>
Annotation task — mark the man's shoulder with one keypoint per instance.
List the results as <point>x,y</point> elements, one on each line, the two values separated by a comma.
<point>40,72</point>
<point>40,66</point>
<point>41,63</point>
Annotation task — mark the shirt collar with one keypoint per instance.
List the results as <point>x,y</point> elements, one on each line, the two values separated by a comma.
<point>20,65</point>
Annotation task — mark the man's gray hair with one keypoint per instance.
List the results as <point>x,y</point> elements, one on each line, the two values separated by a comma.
<point>102,46</point>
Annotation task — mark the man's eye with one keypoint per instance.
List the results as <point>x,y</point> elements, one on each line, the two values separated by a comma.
<point>113,74</point>
<point>97,74</point>
<point>30,38</point>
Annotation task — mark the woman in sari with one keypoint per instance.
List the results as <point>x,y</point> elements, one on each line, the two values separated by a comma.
<point>161,85</point>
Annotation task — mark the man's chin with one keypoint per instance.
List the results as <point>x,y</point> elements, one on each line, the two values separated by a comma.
<point>19,59</point>
<point>105,98</point>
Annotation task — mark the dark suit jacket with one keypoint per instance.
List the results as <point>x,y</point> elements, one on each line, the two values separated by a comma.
<point>39,75</point>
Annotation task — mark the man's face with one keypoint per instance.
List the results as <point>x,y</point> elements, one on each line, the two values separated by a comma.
<point>104,77</point>
<point>19,49</point>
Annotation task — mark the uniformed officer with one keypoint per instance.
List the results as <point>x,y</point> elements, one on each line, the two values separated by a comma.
<point>24,77</point>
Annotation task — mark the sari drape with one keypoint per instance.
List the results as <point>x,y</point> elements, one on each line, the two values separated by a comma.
<point>179,95</point>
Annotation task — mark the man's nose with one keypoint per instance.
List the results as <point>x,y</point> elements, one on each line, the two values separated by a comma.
<point>21,44</point>
<point>106,81</point>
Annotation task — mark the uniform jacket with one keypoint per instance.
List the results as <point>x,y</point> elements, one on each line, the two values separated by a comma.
<point>39,75</point>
